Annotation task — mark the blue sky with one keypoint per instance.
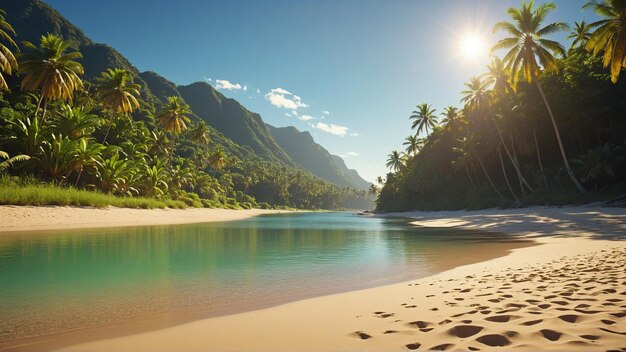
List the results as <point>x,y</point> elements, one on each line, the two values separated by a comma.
<point>350,72</point>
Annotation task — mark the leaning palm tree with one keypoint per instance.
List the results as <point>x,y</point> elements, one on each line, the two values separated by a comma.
<point>117,93</point>
<point>173,118</point>
<point>395,161</point>
<point>468,149</point>
<point>8,63</point>
<point>199,133</point>
<point>423,117</point>
<point>580,34</point>
<point>52,71</point>
<point>530,51</point>
<point>610,35</point>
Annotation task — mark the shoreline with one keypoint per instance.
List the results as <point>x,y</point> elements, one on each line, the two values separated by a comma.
<point>402,316</point>
<point>21,219</point>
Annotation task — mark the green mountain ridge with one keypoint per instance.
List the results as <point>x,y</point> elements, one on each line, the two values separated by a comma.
<point>239,131</point>
<point>308,154</point>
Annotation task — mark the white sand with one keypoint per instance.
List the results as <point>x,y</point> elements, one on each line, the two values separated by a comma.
<point>37,218</point>
<point>567,294</point>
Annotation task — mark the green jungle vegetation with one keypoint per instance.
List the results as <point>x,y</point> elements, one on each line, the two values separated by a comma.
<point>542,125</point>
<point>80,126</point>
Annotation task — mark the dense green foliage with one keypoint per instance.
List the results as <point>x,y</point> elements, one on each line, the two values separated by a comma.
<point>502,149</point>
<point>109,134</point>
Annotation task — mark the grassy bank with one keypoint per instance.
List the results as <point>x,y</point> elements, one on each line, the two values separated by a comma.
<point>20,193</point>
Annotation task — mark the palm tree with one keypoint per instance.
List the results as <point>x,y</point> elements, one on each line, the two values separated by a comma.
<point>8,63</point>
<point>4,165</point>
<point>610,35</point>
<point>529,49</point>
<point>467,149</point>
<point>218,159</point>
<point>580,34</point>
<point>413,144</point>
<point>199,133</point>
<point>51,70</point>
<point>173,118</point>
<point>117,93</point>
<point>452,117</point>
<point>395,161</point>
<point>424,117</point>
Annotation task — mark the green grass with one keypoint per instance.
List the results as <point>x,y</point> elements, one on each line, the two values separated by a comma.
<point>20,193</point>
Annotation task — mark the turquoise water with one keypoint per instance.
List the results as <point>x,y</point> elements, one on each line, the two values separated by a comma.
<point>56,281</point>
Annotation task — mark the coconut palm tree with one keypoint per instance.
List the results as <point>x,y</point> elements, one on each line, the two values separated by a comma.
<point>173,118</point>
<point>117,93</point>
<point>423,117</point>
<point>395,161</point>
<point>8,63</point>
<point>52,71</point>
<point>467,148</point>
<point>218,159</point>
<point>452,117</point>
<point>6,164</point>
<point>199,133</point>
<point>413,144</point>
<point>610,34</point>
<point>580,34</point>
<point>530,51</point>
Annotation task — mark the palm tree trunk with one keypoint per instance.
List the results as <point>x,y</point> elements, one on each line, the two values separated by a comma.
<point>544,179</point>
<point>489,178</point>
<point>108,130</point>
<point>38,105</point>
<point>569,170</point>
<point>43,116</point>
<point>470,178</point>
<point>506,178</point>
<point>78,177</point>
<point>521,184</point>
<point>506,149</point>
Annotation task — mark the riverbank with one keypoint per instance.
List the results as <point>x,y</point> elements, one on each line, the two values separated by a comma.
<point>567,293</point>
<point>40,218</point>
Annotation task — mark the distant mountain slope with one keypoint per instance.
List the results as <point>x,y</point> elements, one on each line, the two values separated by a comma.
<point>233,120</point>
<point>303,149</point>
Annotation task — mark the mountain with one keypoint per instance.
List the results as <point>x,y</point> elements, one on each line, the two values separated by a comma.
<point>302,148</point>
<point>239,131</point>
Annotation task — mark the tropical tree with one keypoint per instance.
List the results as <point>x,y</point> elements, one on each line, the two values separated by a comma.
<point>413,144</point>
<point>117,93</point>
<point>600,162</point>
<point>528,50</point>
<point>199,133</point>
<point>610,34</point>
<point>467,148</point>
<point>395,161</point>
<point>173,118</point>
<point>580,34</point>
<point>424,117</point>
<point>52,71</point>
<point>8,63</point>
<point>452,117</point>
<point>218,159</point>
<point>9,161</point>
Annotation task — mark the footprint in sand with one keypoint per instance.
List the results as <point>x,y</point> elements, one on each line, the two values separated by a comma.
<point>465,331</point>
<point>494,340</point>
<point>551,334</point>
<point>362,335</point>
<point>499,318</point>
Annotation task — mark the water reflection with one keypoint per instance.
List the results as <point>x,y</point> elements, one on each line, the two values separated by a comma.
<point>52,282</point>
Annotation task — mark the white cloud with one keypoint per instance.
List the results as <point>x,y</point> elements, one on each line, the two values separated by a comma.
<point>325,112</point>
<point>354,134</point>
<point>245,87</point>
<point>282,98</point>
<point>287,114</point>
<point>224,84</point>
<point>350,154</point>
<point>306,117</point>
<point>331,128</point>
<point>208,79</point>
<point>258,91</point>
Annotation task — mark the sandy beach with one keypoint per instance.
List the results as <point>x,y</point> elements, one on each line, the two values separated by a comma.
<point>568,293</point>
<point>40,218</point>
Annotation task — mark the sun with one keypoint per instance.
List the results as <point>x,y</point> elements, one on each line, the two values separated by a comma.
<point>473,46</point>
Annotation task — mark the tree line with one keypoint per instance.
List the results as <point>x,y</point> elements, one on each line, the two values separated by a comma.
<point>542,125</point>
